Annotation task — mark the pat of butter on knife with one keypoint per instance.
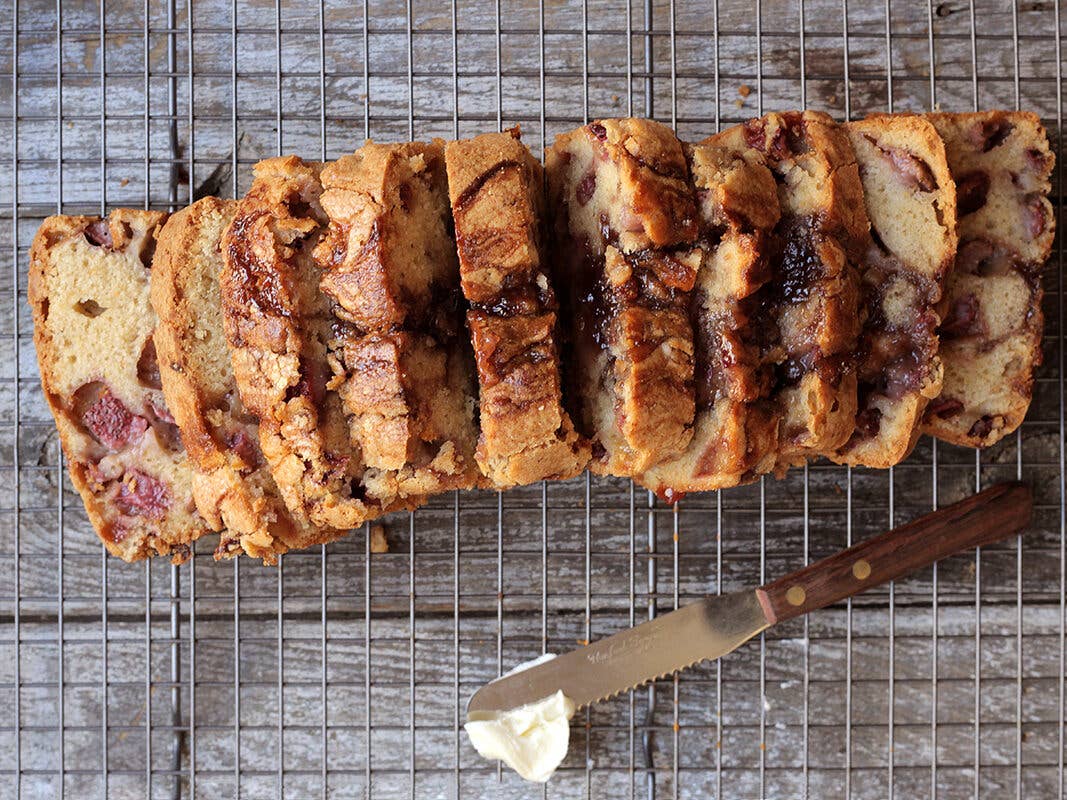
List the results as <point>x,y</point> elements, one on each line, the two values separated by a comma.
<point>531,739</point>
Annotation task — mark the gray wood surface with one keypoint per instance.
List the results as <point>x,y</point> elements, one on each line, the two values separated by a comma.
<point>853,702</point>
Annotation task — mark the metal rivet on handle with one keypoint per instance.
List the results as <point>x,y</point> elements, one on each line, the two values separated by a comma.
<point>862,569</point>
<point>796,595</point>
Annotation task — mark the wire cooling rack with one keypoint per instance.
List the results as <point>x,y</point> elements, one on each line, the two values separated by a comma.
<point>343,673</point>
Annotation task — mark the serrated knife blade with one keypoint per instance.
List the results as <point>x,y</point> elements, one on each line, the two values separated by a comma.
<point>705,630</point>
<point>718,624</point>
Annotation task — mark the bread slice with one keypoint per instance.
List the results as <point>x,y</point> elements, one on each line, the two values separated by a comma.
<point>735,435</point>
<point>404,370</point>
<point>810,309</point>
<point>281,332</point>
<point>992,323</point>
<point>496,188</point>
<point>232,483</point>
<point>626,227</point>
<point>911,202</point>
<point>88,286</point>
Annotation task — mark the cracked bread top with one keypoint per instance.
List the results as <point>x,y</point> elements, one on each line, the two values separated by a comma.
<point>93,325</point>
<point>496,189</point>
<point>644,201</point>
<point>388,258</point>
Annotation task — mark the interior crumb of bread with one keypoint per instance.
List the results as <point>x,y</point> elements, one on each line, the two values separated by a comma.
<point>419,246</point>
<point>905,218</point>
<point>207,352</point>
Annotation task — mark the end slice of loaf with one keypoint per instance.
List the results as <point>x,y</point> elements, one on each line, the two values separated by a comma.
<point>810,308</point>
<point>626,226</point>
<point>280,330</point>
<point>735,435</point>
<point>232,483</point>
<point>93,325</point>
<point>911,203</point>
<point>992,322</point>
<point>405,369</point>
<point>496,189</point>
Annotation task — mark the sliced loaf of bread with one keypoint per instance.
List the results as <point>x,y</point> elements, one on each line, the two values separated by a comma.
<point>992,321</point>
<point>496,188</point>
<point>626,228</point>
<point>911,203</point>
<point>93,326</point>
<point>735,435</point>
<point>232,484</point>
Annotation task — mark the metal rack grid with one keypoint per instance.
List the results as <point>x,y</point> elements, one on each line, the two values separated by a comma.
<point>343,672</point>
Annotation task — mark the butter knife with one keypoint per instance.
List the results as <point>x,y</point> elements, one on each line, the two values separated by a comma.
<point>721,623</point>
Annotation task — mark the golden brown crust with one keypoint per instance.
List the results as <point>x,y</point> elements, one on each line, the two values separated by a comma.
<point>280,332</point>
<point>88,288</point>
<point>531,437</point>
<point>654,179</point>
<point>625,229</point>
<point>821,236</point>
<point>368,198</point>
<point>993,325</point>
<point>735,435</point>
<point>188,398</point>
<point>404,372</point>
<point>911,200</point>
<point>233,486</point>
<point>398,400</point>
<point>495,188</point>
<point>653,373</point>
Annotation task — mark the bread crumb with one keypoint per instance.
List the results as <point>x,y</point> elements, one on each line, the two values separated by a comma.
<point>744,90</point>
<point>124,182</point>
<point>378,542</point>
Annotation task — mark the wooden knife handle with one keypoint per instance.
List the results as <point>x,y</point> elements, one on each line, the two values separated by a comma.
<point>997,513</point>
